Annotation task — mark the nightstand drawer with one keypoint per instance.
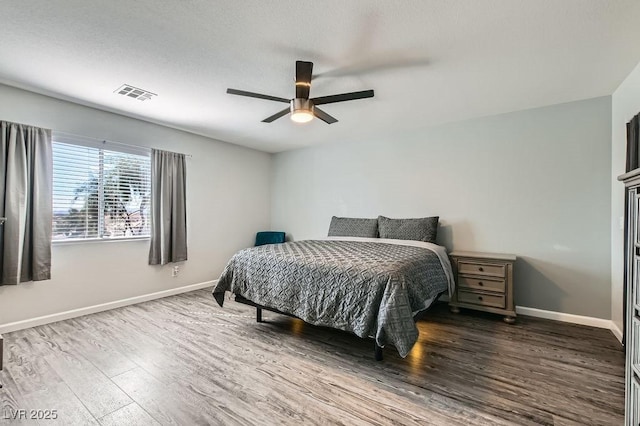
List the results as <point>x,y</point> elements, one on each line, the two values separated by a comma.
<point>479,268</point>
<point>483,299</point>
<point>475,283</point>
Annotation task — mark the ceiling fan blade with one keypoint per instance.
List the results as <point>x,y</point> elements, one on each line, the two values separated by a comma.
<point>276,116</point>
<point>324,116</point>
<point>256,95</point>
<point>304,70</point>
<point>343,97</point>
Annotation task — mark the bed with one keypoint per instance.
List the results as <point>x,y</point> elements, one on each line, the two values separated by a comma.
<point>371,287</point>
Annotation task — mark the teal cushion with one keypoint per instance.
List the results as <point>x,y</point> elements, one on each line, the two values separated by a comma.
<point>269,237</point>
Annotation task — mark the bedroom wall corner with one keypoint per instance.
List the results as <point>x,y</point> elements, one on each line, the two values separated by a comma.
<point>625,103</point>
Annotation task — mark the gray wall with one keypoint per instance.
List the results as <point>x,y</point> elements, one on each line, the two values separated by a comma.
<point>536,183</point>
<point>625,103</point>
<point>227,202</point>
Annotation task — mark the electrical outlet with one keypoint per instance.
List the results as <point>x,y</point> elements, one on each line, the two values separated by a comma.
<point>175,271</point>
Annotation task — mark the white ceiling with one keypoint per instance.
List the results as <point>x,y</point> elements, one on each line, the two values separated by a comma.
<point>429,61</point>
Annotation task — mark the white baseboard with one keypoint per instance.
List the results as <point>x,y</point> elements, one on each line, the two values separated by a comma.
<point>561,316</point>
<point>574,319</point>
<point>616,331</point>
<point>48,319</point>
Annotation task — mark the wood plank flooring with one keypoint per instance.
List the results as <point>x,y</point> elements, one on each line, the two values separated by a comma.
<point>183,360</point>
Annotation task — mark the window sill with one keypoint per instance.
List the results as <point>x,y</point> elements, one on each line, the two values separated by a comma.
<point>98,240</point>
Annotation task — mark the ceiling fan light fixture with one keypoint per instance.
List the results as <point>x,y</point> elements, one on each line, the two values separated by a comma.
<point>302,116</point>
<point>301,110</point>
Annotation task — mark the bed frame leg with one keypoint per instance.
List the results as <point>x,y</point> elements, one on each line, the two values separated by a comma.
<point>258,314</point>
<point>377,351</point>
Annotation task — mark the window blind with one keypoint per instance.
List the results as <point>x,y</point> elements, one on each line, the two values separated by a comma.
<point>99,193</point>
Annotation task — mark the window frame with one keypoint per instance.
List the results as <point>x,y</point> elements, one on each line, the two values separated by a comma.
<point>106,146</point>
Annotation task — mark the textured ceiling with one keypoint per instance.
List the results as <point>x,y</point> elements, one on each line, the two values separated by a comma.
<point>428,61</point>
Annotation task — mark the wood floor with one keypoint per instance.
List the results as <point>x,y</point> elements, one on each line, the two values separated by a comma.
<point>184,360</point>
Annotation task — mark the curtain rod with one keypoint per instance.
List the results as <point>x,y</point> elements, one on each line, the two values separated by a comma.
<point>113,142</point>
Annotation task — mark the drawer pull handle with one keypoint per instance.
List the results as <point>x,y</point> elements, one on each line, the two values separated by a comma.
<point>480,269</point>
<point>479,297</point>
<point>480,283</point>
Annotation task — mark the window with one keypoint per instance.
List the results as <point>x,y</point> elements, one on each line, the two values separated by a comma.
<point>99,193</point>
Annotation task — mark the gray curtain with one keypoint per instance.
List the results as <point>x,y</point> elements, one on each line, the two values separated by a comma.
<point>168,208</point>
<point>26,169</point>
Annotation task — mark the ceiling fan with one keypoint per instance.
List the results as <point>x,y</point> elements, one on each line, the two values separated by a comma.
<point>302,108</point>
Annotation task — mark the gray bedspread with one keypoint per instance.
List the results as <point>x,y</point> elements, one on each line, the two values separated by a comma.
<point>367,288</point>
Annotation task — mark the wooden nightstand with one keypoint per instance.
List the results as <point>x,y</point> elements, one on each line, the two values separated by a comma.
<point>484,282</point>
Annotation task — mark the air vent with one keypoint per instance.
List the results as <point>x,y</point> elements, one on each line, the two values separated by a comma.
<point>134,92</point>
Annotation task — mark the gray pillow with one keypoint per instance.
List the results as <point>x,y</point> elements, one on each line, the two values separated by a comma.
<point>353,227</point>
<point>422,229</point>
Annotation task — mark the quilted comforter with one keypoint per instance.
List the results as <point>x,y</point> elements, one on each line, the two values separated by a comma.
<point>368,286</point>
